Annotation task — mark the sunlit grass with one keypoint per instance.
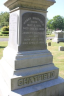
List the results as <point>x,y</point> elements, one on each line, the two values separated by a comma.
<point>2,46</point>
<point>4,36</point>
<point>58,56</point>
<point>51,35</point>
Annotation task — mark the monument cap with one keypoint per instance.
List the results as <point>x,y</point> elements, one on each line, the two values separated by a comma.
<point>30,4</point>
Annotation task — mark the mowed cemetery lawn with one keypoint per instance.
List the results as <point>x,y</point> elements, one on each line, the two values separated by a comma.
<point>58,56</point>
<point>2,46</point>
<point>4,36</point>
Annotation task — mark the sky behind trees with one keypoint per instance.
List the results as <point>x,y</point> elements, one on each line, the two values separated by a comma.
<point>56,9</point>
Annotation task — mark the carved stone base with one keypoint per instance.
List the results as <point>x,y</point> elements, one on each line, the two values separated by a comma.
<point>57,40</point>
<point>50,88</point>
<point>16,79</point>
<point>27,59</point>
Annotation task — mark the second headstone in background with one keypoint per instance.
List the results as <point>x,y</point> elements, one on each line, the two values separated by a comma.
<point>59,36</point>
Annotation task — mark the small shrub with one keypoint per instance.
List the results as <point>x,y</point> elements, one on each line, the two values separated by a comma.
<point>5,32</point>
<point>5,28</point>
<point>0,34</point>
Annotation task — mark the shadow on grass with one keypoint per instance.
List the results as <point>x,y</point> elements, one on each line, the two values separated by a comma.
<point>2,46</point>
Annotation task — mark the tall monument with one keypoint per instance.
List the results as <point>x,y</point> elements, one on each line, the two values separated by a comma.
<point>27,66</point>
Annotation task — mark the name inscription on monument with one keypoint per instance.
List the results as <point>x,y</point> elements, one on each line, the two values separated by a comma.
<point>33,31</point>
<point>36,79</point>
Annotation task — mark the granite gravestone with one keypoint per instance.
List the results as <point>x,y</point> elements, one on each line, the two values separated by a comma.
<point>59,36</point>
<point>61,48</point>
<point>33,32</point>
<point>27,66</point>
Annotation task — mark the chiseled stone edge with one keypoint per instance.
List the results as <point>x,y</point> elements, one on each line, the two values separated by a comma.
<point>57,85</point>
<point>31,9</point>
<point>25,59</point>
<point>21,82</point>
<point>41,5</point>
<point>46,88</point>
<point>14,78</point>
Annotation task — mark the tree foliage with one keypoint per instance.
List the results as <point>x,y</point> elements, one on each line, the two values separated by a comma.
<point>5,28</point>
<point>4,19</point>
<point>50,24</point>
<point>56,23</point>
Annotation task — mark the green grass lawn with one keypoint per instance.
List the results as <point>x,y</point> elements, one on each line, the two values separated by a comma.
<point>4,36</point>
<point>52,35</point>
<point>2,46</point>
<point>58,56</point>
